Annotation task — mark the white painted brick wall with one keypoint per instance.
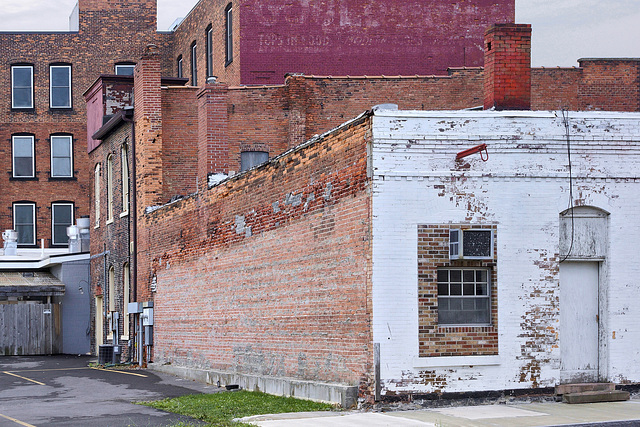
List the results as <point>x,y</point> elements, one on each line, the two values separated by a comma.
<point>523,187</point>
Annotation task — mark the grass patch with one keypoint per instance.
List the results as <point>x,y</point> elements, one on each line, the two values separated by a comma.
<point>219,409</point>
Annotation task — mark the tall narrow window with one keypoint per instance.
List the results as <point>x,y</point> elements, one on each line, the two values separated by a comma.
<point>61,156</point>
<point>23,159</point>
<point>61,218</point>
<point>22,86</point>
<point>125,297</point>
<point>96,195</point>
<point>124,161</point>
<point>24,222</point>
<point>228,34</point>
<point>111,300</point>
<point>60,86</point>
<point>125,69</point>
<point>194,65</point>
<point>180,69</point>
<point>209,46</point>
<point>110,188</point>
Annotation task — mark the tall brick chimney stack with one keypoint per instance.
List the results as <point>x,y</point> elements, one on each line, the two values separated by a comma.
<point>213,138</point>
<point>507,67</point>
<point>148,118</point>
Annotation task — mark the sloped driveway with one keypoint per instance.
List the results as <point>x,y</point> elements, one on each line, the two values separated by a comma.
<point>65,391</point>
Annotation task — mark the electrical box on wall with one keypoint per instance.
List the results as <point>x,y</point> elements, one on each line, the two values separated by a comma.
<point>147,317</point>
<point>470,244</point>
<point>134,308</point>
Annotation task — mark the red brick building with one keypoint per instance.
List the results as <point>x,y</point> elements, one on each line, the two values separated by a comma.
<point>263,269</point>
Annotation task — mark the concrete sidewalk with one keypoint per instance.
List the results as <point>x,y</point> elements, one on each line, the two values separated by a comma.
<point>512,415</point>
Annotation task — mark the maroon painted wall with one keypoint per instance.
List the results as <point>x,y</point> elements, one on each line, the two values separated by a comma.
<point>363,37</point>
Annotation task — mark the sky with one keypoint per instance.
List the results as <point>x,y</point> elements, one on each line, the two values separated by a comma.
<point>563,30</point>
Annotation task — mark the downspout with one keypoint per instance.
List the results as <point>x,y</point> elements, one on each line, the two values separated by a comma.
<point>133,242</point>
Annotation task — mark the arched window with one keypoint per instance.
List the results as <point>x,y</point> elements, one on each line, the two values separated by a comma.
<point>124,160</point>
<point>96,195</point>
<point>110,188</point>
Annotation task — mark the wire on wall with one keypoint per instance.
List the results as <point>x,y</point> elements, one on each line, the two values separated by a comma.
<point>565,120</point>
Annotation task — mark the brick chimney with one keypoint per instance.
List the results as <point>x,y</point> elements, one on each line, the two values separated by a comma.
<point>148,119</point>
<point>213,136</point>
<point>507,67</point>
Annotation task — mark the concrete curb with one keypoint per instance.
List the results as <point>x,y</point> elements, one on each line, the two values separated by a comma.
<point>344,395</point>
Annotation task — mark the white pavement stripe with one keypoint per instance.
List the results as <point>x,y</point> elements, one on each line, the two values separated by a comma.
<point>487,411</point>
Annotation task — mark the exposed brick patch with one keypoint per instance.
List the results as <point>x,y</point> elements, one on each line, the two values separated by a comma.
<point>435,340</point>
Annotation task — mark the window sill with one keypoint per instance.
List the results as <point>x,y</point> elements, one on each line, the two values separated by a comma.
<point>24,178</point>
<point>23,109</point>
<point>63,178</point>
<point>109,221</point>
<point>124,337</point>
<point>123,214</point>
<point>447,361</point>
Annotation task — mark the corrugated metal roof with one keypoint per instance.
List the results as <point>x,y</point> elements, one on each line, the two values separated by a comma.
<point>18,283</point>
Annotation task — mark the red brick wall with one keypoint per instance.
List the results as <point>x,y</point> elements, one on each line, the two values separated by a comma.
<point>610,84</point>
<point>269,273</point>
<point>115,33</point>
<point>555,88</point>
<point>436,340</point>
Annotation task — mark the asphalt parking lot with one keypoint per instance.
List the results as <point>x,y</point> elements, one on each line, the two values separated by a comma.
<point>65,391</point>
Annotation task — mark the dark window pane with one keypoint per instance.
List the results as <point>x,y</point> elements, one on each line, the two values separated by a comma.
<point>481,289</point>
<point>23,167</point>
<point>60,77</point>
<point>24,214</point>
<point>443,275</point>
<point>481,275</point>
<point>22,97</point>
<point>25,234</point>
<point>22,77</point>
<point>456,289</point>
<point>60,97</point>
<point>456,275</point>
<point>443,289</point>
<point>467,289</point>
<point>468,275</point>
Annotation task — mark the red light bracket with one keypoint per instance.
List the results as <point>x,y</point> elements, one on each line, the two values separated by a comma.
<point>482,149</point>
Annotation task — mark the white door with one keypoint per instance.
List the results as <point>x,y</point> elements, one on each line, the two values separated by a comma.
<point>579,321</point>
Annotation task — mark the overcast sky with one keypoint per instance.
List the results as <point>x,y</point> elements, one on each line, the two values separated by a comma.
<point>563,30</point>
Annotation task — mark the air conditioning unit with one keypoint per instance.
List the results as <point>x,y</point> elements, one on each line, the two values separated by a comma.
<point>473,243</point>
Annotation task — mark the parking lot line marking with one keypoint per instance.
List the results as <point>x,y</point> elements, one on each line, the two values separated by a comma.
<point>24,378</point>
<point>120,372</point>
<point>17,421</point>
<point>47,370</point>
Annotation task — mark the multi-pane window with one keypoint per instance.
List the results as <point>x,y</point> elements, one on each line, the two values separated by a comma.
<point>180,70</point>
<point>125,69</point>
<point>61,156</point>
<point>24,215</point>
<point>194,65</point>
<point>228,35</point>
<point>23,156</point>
<point>209,46</point>
<point>110,188</point>
<point>249,159</point>
<point>22,86</point>
<point>96,194</point>
<point>464,296</point>
<point>60,86</point>
<point>61,218</point>
<point>124,161</point>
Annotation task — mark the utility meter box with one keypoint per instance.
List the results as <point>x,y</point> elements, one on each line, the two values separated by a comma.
<point>147,317</point>
<point>134,307</point>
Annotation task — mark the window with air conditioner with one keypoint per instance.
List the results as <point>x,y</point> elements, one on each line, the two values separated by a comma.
<point>470,244</point>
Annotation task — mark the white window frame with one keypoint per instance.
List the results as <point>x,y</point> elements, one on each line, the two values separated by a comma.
<point>124,166</point>
<point>69,103</point>
<point>13,155</point>
<point>180,67</point>
<point>33,218</point>
<point>209,50</point>
<point>13,87</point>
<point>125,66</point>
<point>53,221</point>
<point>111,298</point>
<point>126,285</point>
<point>110,188</point>
<point>96,194</point>
<point>228,35</point>
<point>462,283</point>
<point>194,64</point>
<point>69,140</point>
